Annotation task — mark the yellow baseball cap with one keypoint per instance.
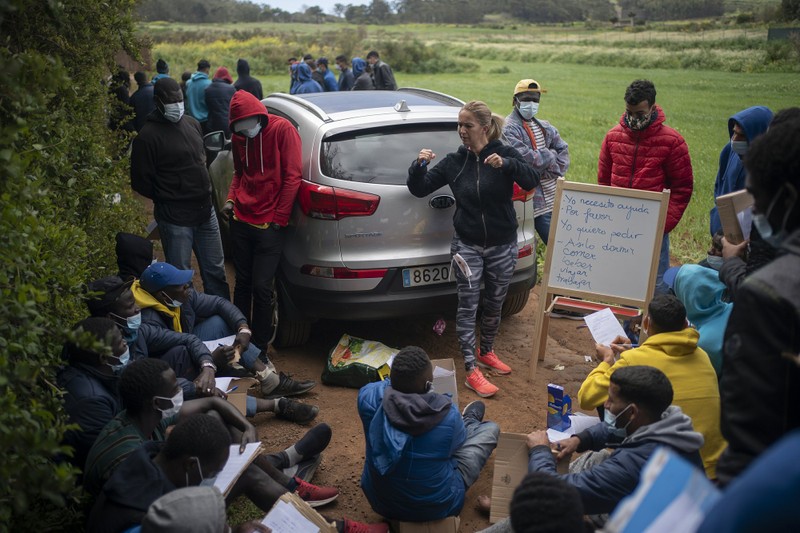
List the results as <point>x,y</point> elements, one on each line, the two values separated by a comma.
<point>524,86</point>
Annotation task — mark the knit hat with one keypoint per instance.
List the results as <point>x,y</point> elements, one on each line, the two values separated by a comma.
<point>524,86</point>
<point>223,74</point>
<point>134,254</point>
<point>103,293</point>
<point>195,509</point>
<point>162,67</point>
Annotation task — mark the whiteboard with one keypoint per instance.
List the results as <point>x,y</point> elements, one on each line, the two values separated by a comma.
<point>603,240</point>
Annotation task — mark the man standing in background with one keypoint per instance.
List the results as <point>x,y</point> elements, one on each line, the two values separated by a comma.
<point>381,73</point>
<point>196,94</point>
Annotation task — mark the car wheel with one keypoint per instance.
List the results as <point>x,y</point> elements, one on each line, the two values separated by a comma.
<point>288,332</point>
<point>515,303</point>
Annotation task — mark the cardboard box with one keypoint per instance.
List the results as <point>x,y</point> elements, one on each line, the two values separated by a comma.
<point>445,525</point>
<point>729,206</point>
<point>239,397</point>
<point>446,384</point>
<point>510,466</point>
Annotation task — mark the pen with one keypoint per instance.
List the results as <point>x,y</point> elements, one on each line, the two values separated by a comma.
<point>583,326</point>
<point>626,345</point>
<point>232,389</point>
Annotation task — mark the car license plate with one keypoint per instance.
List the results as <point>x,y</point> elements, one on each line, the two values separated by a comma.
<point>428,275</point>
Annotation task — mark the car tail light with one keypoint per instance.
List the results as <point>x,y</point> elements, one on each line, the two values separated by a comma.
<point>333,203</point>
<point>521,194</point>
<point>525,251</point>
<point>342,272</point>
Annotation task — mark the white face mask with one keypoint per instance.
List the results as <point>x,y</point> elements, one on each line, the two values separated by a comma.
<point>252,132</point>
<point>528,110</point>
<point>177,402</point>
<point>124,359</point>
<point>173,112</point>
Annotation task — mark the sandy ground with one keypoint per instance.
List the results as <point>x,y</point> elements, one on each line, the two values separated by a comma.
<point>518,407</point>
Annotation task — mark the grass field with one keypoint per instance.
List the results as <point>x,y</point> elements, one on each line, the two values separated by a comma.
<point>584,100</point>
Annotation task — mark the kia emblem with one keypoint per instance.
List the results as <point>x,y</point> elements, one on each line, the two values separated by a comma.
<point>442,201</point>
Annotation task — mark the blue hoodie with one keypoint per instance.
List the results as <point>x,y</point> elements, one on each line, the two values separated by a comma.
<point>358,66</point>
<point>196,96</point>
<point>730,177</point>
<point>410,472</point>
<point>700,290</point>
<point>304,83</point>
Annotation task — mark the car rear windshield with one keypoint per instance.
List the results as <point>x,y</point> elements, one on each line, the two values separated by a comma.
<point>383,155</point>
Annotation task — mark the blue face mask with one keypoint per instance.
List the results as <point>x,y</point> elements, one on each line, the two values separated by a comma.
<point>204,481</point>
<point>170,302</point>
<point>610,420</point>
<point>528,110</point>
<point>124,359</point>
<point>763,225</point>
<point>740,147</point>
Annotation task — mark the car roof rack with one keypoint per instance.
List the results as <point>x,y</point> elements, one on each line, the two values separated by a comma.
<point>433,95</point>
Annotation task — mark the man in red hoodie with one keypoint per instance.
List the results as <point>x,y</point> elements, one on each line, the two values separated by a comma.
<point>267,159</point>
<point>641,152</point>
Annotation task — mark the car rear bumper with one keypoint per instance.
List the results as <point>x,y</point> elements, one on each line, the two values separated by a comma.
<point>389,299</point>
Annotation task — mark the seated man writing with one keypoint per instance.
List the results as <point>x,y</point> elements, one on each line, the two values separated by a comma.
<point>153,401</point>
<point>671,346</point>
<point>193,363</point>
<point>421,454</point>
<point>167,299</point>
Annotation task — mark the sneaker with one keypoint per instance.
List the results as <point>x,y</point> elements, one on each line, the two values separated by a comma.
<point>480,384</point>
<point>294,411</point>
<point>490,360</point>
<point>289,387</point>
<point>314,441</point>
<point>305,469</point>
<point>351,526</point>
<point>313,495</point>
<point>474,410</point>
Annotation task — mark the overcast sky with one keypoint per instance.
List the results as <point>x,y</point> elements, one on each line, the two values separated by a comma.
<point>293,6</point>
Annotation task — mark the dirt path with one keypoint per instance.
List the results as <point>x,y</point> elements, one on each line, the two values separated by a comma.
<point>518,407</point>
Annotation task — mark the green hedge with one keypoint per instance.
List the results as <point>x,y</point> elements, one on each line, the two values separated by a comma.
<point>63,196</point>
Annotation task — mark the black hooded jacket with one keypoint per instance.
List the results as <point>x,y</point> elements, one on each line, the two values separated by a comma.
<point>245,82</point>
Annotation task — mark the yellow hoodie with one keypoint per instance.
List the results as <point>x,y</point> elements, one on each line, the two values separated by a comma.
<point>145,300</point>
<point>693,379</point>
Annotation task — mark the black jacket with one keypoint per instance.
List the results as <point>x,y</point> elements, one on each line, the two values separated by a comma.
<point>218,101</point>
<point>199,307</point>
<point>245,82</point>
<point>760,385</point>
<point>143,104</point>
<point>485,213</point>
<point>383,76</point>
<point>168,165</point>
<point>364,83</point>
<point>155,340</point>
<point>135,484</point>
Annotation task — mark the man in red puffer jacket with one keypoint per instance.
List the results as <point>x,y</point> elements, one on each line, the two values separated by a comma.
<point>641,152</point>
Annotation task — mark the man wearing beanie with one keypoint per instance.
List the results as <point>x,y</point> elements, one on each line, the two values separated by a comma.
<point>162,69</point>
<point>168,165</point>
<point>245,82</point>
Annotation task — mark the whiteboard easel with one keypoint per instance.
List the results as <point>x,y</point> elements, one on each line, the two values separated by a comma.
<point>604,245</point>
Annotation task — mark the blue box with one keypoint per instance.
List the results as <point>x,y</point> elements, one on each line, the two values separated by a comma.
<point>559,407</point>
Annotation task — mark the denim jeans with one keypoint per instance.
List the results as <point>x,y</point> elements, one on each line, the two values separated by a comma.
<point>213,328</point>
<point>663,265</point>
<point>256,255</point>
<point>473,454</point>
<point>178,243</point>
<point>542,226</point>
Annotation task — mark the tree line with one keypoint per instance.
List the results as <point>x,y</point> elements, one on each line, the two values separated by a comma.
<point>445,11</point>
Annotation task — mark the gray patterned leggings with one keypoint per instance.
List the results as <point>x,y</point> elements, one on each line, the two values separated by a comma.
<point>493,266</point>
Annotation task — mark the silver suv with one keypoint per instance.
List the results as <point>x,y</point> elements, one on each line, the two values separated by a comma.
<point>359,245</point>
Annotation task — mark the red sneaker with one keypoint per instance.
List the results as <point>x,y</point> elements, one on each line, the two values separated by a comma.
<point>490,360</point>
<point>313,495</point>
<point>480,384</point>
<point>351,526</point>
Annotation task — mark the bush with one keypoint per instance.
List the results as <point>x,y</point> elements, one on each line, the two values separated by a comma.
<point>60,169</point>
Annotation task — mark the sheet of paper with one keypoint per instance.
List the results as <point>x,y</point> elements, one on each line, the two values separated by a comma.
<point>439,372</point>
<point>213,345</point>
<point>745,221</point>
<point>579,423</point>
<point>604,326</point>
<point>223,384</point>
<point>236,464</point>
<point>284,518</point>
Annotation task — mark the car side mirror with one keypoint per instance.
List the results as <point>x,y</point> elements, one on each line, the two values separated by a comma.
<point>215,141</point>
